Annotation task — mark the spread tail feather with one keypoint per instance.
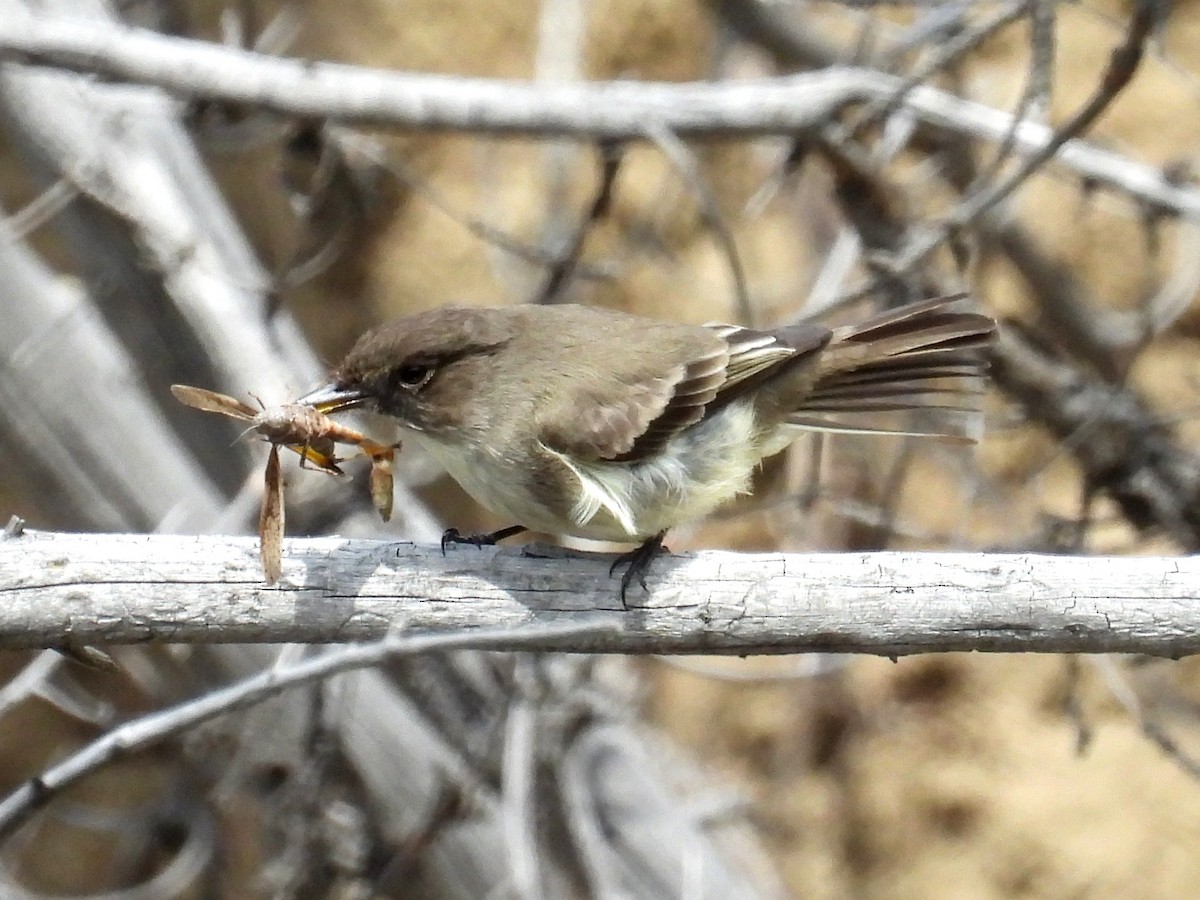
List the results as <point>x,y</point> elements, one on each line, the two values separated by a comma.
<point>925,361</point>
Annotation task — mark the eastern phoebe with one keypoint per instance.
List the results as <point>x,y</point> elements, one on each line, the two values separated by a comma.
<point>595,423</point>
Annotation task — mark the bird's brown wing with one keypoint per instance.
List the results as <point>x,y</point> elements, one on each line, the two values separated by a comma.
<point>627,415</point>
<point>620,412</point>
<point>755,356</point>
<point>924,358</point>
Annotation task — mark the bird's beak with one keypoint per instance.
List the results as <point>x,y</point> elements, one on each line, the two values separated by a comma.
<point>331,398</point>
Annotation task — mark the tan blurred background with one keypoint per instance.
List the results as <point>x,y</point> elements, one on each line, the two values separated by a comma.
<point>962,776</point>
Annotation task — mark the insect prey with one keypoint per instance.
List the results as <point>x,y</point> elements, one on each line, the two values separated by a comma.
<point>309,433</point>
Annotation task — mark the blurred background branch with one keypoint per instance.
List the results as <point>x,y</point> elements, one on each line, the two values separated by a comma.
<point>597,110</point>
<point>227,192</point>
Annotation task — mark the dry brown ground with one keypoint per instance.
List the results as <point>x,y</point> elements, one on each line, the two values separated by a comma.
<point>940,777</point>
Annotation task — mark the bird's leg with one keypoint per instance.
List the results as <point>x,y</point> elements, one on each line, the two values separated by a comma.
<point>639,561</point>
<point>483,539</point>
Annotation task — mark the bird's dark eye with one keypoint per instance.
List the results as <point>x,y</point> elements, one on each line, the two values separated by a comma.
<point>412,376</point>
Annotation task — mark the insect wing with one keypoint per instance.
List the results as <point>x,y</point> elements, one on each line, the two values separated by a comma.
<point>270,519</point>
<point>211,401</point>
<point>381,482</point>
<point>319,454</point>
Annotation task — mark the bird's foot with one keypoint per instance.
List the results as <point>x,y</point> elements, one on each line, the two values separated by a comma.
<point>639,561</point>
<point>483,539</point>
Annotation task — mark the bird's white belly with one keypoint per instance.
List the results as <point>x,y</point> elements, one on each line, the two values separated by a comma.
<point>701,468</point>
<point>493,482</point>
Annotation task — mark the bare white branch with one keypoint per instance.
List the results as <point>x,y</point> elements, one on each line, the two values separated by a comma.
<point>306,88</point>
<point>613,110</point>
<point>64,589</point>
<point>158,726</point>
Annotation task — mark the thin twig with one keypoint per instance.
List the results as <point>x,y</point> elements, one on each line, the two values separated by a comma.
<point>1123,692</point>
<point>1035,97</point>
<point>1123,448</point>
<point>485,231</point>
<point>37,212</point>
<point>565,266</point>
<point>946,54</point>
<point>1121,68</point>
<point>684,162</point>
<point>153,729</point>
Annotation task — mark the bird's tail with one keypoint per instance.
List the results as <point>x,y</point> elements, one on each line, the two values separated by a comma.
<point>916,370</point>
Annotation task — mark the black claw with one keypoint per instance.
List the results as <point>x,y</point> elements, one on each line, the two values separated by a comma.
<point>639,561</point>
<point>483,539</point>
<point>450,536</point>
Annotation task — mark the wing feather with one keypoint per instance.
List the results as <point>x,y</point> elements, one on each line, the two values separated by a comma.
<point>924,357</point>
<point>637,414</point>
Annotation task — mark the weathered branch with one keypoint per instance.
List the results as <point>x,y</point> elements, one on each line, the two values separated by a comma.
<point>66,589</point>
<point>1123,447</point>
<point>355,94</point>
<point>156,727</point>
<point>612,110</point>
